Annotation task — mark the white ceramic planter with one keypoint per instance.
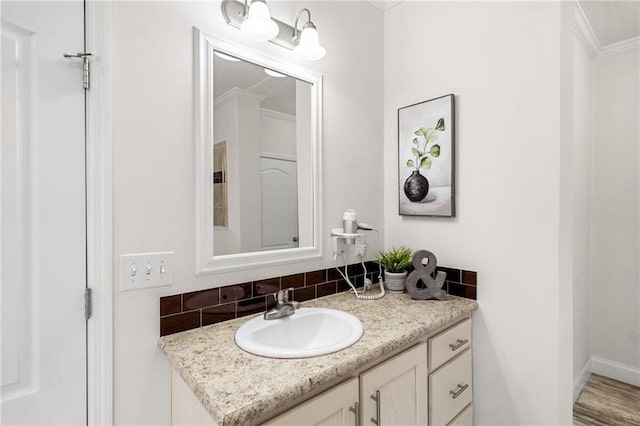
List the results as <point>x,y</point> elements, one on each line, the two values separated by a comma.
<point>395,281</point>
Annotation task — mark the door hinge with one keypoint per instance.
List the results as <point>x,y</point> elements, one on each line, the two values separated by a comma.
<point>85,67</point>
<point>87,303</point>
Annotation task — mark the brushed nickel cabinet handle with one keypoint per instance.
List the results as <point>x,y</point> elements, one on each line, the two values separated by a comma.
<point>356,410</point>
<point>458,345</point>
<point>456,393</point>
<point>376,398</point>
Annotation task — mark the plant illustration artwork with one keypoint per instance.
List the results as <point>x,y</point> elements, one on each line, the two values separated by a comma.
<point>416,187</point>
<point>426,158</point>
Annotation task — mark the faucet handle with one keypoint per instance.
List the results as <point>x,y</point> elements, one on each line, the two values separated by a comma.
<point>282,296</point>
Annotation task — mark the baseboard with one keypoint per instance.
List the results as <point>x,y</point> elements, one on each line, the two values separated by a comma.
<point>582,379</point>
<point>614,370</point>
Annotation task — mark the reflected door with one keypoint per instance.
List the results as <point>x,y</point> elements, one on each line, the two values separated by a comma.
<point>279,203</point>
<point>42,227</point>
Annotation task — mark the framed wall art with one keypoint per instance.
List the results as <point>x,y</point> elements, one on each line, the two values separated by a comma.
<point>426,141</point>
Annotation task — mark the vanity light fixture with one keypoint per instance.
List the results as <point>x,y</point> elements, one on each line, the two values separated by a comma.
<point>258,23</point>
<point>308,42</point>
<point>304,42</point>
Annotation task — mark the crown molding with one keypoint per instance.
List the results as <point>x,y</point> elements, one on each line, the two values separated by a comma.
<point>622,46</point>
<point>384,5</point>
<point>590,41</point>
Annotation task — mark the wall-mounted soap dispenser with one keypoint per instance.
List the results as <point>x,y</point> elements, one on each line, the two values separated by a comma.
<point>349,236</point>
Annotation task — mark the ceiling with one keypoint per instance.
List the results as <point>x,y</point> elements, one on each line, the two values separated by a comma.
<point>280,93</point>
<point>613,21</point>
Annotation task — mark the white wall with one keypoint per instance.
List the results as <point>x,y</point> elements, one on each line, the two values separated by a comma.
<point>581,220</point>
<point>278,135</point>
<point>154,160</point>
<point>503,62</point>
<point>615,302</point>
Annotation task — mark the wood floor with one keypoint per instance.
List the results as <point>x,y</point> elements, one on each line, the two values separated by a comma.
<point>605,401</point>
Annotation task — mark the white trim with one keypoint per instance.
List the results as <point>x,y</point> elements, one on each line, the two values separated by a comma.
<point>582,379</point>
<point>100,216</point>
<point>620,47</point>
<point>277,115</point>
<point>206,263</point>
<point>584,32</point>
<point>278,156</point>
<point>590,41</point>
<point>614,370</point>
<point>384,5</point>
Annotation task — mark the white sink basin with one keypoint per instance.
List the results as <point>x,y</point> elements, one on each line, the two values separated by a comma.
<point>307,333</point>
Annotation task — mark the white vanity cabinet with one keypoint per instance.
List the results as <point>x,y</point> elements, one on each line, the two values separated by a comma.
<point>390,393</point>
<point>450,376</point>
<point>427,384</point>
<point>336,407</point>
<point>395,392</point>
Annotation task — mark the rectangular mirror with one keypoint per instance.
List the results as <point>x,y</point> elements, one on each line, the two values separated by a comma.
<point>257,160</point>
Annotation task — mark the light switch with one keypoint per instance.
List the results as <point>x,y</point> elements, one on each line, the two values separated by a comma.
<point>157,268</point>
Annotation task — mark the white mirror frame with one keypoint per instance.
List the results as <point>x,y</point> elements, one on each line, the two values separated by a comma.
<point>206,262</point>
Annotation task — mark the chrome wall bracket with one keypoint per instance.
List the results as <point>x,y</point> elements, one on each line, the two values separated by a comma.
<point>234,14</point>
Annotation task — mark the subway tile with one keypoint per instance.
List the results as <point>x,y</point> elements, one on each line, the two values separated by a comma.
<point>235,292</point>
<point>218,313</point>
<point>305,293</point>
<point>294,281</point>
<point>452,274</point>
<point>342,285</point>
<point>261,287</point>
<point>250,306</point>
<point>333,274</point>
<point>200,299</point>
<point>358,281</point>
<point>355,269</point>
<point>469,277</point>
<point>204,307</point>
<point>326,289</point>
<point>170,305</point>
<point>179,322</point>
<point>371,266</point>
<point>462,290</point>
<point>315,277</point>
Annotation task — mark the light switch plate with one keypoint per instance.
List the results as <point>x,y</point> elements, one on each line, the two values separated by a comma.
<point>145,270</point>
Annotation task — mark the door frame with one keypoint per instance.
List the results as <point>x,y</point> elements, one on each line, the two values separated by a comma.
<point>99,210</point>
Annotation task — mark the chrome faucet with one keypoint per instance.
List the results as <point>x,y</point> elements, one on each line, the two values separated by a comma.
<point>283,307</point>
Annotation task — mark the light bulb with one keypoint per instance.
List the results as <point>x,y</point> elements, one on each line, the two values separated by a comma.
<point>259,25</point>
<point>309,46</point>
<point>273,73</point>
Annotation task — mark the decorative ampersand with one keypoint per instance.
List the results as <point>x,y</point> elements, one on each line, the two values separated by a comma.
<point>423,271</point>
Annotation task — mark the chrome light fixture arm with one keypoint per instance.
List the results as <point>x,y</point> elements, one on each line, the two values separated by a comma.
<point>235,13</point>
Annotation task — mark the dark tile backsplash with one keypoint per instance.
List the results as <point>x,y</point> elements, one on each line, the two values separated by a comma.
<point>186,311</point>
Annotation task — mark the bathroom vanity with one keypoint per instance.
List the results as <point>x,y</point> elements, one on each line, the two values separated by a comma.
<point>411,366</point>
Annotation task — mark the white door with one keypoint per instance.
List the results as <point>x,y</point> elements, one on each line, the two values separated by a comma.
<point>42,226</point>
<point>279,203</point>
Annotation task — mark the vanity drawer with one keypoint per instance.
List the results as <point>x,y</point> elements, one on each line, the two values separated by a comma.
<point>450,390</point>
<point>465,418</point>
<point>449,343</point>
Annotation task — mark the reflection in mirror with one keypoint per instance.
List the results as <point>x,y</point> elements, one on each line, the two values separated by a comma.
<point>257,140</point>
<point>258,159</point>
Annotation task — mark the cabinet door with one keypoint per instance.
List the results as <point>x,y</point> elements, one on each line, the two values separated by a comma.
<point>400,387</point>
<point>331,408</point>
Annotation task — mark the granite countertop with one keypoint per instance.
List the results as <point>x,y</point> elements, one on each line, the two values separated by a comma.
<point>237,387</point>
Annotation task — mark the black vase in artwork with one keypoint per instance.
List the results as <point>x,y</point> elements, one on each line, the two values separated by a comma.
<point>416,187</point>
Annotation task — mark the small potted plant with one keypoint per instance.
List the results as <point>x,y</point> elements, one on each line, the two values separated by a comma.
<point>395,263</point>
